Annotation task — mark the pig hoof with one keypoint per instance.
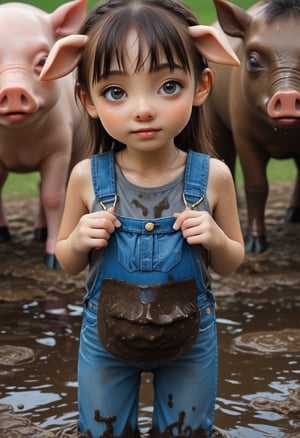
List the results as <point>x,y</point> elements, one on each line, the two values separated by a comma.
<point>51,261</point>
<point>40,234</point>
<point>4,234</point>
<point>256,244</point>
<point>293,214</point>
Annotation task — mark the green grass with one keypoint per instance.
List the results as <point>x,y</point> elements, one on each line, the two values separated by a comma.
<point>25,185</point>
<point>277,170</point>
<point>203,8</point>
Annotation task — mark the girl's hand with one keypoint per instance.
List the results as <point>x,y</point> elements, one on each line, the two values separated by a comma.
<point>219,232</point>
<point>199,227</point>
<point>93,230</point>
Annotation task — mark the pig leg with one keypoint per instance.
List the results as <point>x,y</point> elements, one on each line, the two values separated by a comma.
<point>4,230</point>
<point>254,163</point>
<point>54,174</point>
<point>40,227</point>
<point>293,212</point>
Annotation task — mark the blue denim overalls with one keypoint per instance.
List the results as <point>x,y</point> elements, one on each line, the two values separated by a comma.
<point>184,388</point>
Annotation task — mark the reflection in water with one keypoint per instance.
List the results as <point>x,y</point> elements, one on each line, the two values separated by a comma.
<point>246,374</point>
<point>258,394</point>
<point>47,387</point>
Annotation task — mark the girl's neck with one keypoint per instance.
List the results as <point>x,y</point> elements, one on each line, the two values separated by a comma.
<point>151,169</point>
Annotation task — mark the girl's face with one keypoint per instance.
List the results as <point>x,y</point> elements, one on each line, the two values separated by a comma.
<point>142,109</point>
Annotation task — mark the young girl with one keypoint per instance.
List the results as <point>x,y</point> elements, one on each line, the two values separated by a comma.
<point>149,215</point>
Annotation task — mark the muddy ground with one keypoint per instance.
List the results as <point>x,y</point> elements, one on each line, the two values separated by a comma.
<point>23,276</point>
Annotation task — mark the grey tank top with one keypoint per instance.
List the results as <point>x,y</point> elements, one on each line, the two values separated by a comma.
<point>147,202</point>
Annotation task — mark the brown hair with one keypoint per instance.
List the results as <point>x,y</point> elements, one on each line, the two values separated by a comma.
<point>158,23</point>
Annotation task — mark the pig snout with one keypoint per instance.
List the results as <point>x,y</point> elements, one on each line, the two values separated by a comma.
<point>284,104</point>
<point>16,99</point>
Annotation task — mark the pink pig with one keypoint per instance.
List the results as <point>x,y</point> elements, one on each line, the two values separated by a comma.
<point>41,127</point>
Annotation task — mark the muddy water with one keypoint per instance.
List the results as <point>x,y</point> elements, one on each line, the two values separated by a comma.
<point>258,326</point>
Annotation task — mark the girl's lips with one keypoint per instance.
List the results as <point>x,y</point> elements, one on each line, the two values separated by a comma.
<point>146,133</point>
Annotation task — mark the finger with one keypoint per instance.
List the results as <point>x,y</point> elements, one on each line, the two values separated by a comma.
<point>193,222</point>
<point>116,221</point>
<point>104,219</point>
<point>180,218</point>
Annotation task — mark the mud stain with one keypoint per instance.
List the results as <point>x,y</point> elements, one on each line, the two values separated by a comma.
<point>258,327</point>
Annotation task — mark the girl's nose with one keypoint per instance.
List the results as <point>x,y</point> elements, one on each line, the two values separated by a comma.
<point>144,111</point>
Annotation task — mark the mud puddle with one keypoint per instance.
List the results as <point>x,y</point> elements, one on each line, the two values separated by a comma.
<point>258,326</point>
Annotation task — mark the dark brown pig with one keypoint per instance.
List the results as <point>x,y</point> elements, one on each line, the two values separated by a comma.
<point>255,109</point>
<point>41,126</point>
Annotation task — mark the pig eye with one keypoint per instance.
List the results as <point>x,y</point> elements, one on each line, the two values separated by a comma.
<point>42,61</point>
<point>39,64</point>
<point>253,64</point>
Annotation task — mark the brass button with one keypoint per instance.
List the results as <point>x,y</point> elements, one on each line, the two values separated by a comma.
<point>89,304</point>
<point>207,310</point>
<point>149,226</point>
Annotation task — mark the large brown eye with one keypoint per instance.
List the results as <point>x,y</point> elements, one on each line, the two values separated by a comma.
<point>114,94</point>
<point>170,88</point>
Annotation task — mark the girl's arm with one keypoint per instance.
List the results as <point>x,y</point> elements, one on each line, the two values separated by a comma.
<point>220,233</point>
<point>80,230</point>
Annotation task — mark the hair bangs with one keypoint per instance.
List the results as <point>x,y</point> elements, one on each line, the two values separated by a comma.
<point>160,39</point>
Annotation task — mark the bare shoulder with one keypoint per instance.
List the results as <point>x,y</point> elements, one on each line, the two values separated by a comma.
<point>220,182</point>
<point>80,185</point>
<point>219,173</point>
<point>82,170</point>
<point>218,169</point>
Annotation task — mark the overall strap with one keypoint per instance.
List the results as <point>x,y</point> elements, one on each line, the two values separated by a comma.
<point>195,178</point>
<point>103,178</point>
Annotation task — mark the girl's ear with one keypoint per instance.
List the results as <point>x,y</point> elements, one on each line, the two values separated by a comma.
<point>87,103</point>
<point>63,57</point>
<point>203,87</point>
<point>213,45</point>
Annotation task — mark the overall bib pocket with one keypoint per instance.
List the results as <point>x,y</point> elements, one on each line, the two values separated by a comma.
<point>148,324</point>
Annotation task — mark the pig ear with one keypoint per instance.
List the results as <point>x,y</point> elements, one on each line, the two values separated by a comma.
<point>67,18</point>
<point>63,57</point>
<point>213,45</point>
<point>233,19</point>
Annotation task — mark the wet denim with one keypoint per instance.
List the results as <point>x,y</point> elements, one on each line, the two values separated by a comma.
<point>143,254</point>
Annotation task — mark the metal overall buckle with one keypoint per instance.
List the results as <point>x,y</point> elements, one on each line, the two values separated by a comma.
<point>193,205</point>
<point>103,203</point>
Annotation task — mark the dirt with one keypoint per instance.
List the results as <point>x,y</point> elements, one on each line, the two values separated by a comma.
<point>23,277</point>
